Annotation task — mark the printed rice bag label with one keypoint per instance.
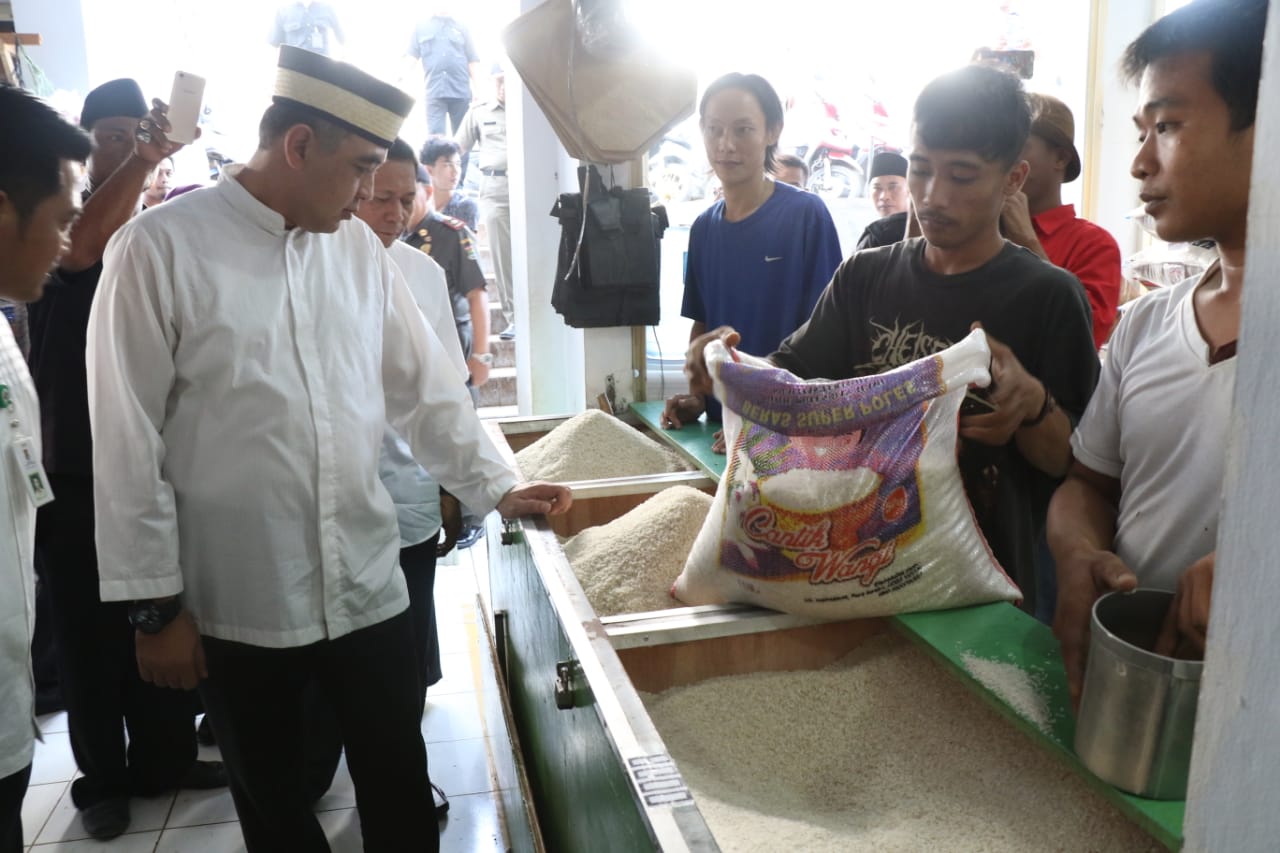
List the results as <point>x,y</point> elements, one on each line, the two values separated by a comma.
<point>844,498</point>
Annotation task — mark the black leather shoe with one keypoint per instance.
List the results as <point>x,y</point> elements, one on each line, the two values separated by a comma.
<point>470,536</point>
<point>106,819</point>
<point>442,802</point>
<point>204,733</point>
<point>204,775</point>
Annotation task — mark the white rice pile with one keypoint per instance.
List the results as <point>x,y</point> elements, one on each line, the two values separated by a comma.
<point>596,446</point>
<point>629,564</point>
<point>1016,687</point>
<point>879,752</point>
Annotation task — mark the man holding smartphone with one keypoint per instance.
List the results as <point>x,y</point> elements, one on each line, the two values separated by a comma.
<point>94,640</point>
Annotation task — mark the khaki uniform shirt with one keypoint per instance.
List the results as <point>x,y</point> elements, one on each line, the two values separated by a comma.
<point>485,128</point>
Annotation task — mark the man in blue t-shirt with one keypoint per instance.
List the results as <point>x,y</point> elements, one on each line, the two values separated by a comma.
<point>763,274</point>
<point>760,257</point>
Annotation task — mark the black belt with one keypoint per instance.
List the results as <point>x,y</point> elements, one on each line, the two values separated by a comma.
<point>494,173</point>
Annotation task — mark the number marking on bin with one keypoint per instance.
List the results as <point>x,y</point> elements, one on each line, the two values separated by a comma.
<point>659,781</point>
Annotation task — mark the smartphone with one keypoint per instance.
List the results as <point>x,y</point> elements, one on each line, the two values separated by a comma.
<point>184,107</point>
<point>1020,62</point>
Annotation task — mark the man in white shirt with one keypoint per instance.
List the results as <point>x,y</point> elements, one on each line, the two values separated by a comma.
<point>247,348</point>
<point>40,158</point>
<point>1141,504</point>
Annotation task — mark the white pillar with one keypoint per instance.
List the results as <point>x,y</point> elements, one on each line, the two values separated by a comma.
<point>1235,775</point>
<point>549,354</point>
<point>558,369</point>
<point>608,353</point>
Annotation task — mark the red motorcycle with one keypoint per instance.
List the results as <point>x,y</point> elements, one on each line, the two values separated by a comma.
<point>837,163</point>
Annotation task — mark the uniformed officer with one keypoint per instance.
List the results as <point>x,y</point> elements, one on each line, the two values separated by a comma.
<point>449,64</point>
<point>452,245</point>
<point>485,128</point>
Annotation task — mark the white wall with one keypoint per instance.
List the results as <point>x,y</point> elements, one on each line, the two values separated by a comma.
<point>1235,774</point>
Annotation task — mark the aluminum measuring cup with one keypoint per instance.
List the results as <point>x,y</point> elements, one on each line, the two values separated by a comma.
<point>1138,708</point>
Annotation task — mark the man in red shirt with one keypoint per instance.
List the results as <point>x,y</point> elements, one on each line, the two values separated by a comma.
<point>1037,219</point>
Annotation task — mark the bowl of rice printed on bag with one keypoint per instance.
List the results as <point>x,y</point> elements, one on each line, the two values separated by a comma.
<point>844,498</point>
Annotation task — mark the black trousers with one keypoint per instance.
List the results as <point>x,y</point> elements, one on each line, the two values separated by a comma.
<point>12,789</point>
<point>44,660</point>
<point>98,668</point>
<point>418,562</point>
<point>323,734</point>
<point>255,699</point>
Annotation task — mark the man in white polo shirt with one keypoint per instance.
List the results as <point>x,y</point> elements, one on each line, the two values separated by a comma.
<point>1141,504</point>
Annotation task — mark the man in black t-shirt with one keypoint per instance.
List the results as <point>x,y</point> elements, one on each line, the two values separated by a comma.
<point>97,668</point>
<point>891,305</point>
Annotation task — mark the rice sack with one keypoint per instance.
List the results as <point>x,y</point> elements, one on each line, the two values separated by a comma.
<point>844,499</point>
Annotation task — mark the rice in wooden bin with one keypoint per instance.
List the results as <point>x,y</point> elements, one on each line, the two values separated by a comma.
<point>596,446</point>
<point>879,752</point>
<point>629,564</point>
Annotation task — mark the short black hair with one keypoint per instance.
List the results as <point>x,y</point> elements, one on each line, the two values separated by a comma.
<point>401,151</point>
<point>34,142</point>
<point>765,95</point>
<point>791,161</point>
<point>437,147</point>
<point>282,115</point>
<point>975,108</point>
<point>1230,31</point>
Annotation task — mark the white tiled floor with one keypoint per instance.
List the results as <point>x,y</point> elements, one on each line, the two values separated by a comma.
<point>205,821</point>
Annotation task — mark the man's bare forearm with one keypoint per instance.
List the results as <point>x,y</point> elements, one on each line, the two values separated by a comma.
<point>106,210</point>
<point>1082,513</point>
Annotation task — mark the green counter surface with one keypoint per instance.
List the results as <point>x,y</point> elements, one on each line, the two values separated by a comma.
<point>694,439</point>
<point>994,632</point>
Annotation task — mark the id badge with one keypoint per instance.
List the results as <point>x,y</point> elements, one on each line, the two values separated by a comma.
<point>31,470</point>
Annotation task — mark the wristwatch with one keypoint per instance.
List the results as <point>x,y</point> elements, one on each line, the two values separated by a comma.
<point>154,615</point>
<point>483,357</point>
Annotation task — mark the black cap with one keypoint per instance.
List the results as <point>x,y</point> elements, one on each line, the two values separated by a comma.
<point>888,163</point>
<point>341,93</point>
<point>121,97</point>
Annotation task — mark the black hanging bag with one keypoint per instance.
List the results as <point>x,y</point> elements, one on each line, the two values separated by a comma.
<point>607,273</point>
